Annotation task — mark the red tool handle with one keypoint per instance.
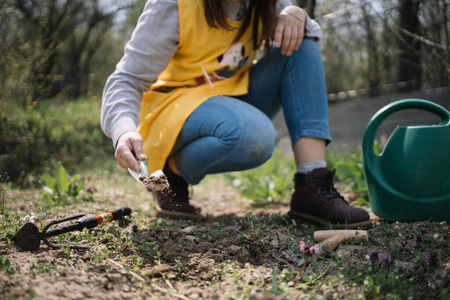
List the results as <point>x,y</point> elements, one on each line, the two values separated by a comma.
<point>90,221</point>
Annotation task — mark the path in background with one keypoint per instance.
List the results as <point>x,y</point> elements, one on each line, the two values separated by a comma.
<point>348,119</point>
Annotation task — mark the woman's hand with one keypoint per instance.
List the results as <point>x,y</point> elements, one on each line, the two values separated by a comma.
<point>289,29</point>
<point>129,143</point>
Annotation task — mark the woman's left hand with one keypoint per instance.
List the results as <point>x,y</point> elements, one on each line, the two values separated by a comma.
<point>289,29</point>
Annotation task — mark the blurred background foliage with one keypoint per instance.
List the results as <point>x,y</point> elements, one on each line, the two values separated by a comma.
<point>55,56</point>
<point>34,140</point>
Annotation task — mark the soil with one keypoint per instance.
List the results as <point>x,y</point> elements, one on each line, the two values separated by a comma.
<point>224,256</point>
<point>157,183</point>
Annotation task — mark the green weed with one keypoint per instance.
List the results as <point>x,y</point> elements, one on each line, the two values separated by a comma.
<point>349,172</point>
<point>275,287</point>
<point>5,266</point>
<point>42,268</point>
<point>2,201</point>
<point>268,184</point>
<point>61,188</point>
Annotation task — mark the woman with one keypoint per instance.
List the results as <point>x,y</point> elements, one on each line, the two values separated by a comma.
<point>188,95</point>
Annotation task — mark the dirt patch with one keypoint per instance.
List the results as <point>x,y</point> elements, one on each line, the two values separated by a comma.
<point>236,252</point>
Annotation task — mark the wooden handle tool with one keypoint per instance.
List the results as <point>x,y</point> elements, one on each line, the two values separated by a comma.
<point>324,248</point>
<point>361,235</point>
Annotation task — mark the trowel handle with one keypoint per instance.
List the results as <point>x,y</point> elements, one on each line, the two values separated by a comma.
<point>382,114</point>
<point>143,168</point>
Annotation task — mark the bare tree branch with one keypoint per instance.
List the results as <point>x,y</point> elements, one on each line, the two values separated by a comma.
<point>423,40</point>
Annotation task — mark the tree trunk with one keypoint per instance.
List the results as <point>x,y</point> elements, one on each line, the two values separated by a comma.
<point>447,39</point>
<point>409,68</point>
<point>373,76</point>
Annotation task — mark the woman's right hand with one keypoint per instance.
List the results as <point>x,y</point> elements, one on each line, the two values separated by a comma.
<point>130,142</point>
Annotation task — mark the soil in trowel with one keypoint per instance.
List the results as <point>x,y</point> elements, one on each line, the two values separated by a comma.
<point>157,183</point>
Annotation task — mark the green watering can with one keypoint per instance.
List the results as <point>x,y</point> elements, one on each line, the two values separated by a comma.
<point>410,180</point>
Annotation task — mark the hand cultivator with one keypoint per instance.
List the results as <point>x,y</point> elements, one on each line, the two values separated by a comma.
<point>29,237</point>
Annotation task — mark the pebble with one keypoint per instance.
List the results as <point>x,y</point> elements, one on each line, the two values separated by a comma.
<point>188,230</point>
<point>190,238</point>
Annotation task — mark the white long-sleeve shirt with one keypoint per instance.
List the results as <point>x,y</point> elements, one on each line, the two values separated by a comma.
<point>152,45</point>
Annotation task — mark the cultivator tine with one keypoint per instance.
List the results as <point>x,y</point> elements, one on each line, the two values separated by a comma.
<point>61,230</point>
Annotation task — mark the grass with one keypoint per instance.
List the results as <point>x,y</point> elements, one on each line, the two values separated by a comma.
<point>362,279</point>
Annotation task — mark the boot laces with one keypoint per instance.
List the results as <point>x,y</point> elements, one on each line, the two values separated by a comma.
<point>326,186</point>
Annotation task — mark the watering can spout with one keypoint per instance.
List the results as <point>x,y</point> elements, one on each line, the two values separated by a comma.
<point>410,179</point>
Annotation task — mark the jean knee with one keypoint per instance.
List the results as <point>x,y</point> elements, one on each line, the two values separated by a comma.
<point>260,143</point>
<point>260,152</point>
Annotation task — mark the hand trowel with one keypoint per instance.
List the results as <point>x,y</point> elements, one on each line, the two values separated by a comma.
<point>155,181</point>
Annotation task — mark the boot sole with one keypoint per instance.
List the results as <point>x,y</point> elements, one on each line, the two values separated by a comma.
<point>176,214</point>
<point>325,223</point>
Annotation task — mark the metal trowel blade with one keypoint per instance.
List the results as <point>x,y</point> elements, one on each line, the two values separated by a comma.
<point>143,168</point>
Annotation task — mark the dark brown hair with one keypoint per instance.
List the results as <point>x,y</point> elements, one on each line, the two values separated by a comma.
<point>264,11</point>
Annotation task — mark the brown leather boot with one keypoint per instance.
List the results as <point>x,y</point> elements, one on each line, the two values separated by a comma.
<point>316,199</point>
<point>174,203</point>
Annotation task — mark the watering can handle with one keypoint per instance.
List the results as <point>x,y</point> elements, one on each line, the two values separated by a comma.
<point>382,114</point>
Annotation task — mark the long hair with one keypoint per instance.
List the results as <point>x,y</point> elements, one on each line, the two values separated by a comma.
<point>264,11</point>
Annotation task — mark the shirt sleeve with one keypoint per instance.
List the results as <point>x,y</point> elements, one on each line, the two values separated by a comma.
<point>152,45</point>
<point>282,4</point>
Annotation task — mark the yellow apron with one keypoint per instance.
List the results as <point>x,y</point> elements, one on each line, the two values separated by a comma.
<point>207,63</point>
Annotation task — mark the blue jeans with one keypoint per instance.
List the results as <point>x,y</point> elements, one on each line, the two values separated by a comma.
<point>236,133</point>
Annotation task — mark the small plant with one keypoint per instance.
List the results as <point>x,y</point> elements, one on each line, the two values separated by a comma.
<point>247,223</point>
<point>379,259</point>
<point>60,188</point>
<point>268,184</point>
<point>2,200</point>
<point>5,266</point>
<point>428,261</point>
<point>158,254</point>
<point>138,262</point>
<point>275,287</point>
<point>349,172</point>
<point>41,268</point>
